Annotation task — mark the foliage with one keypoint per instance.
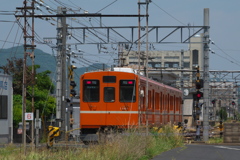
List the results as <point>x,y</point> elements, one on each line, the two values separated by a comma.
<point>40,83</point>
<point>223,114</point>
<point>17,109</point>
<point>215,140</point>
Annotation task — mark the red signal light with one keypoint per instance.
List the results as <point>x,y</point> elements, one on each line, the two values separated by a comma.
<point>88,82</point>
<point>199,95</point>
<point>130,82</point>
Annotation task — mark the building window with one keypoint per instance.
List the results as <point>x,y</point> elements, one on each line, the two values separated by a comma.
<point>195,57</point>
<point>154,64</point>
<point>175,65</point>
<point>171,57</point>
<point>133,57</point>
<point>186,77</point>
<point>3,107</point>
<point>133,62</point>
<point>186,64</point>
<point>171,64</point>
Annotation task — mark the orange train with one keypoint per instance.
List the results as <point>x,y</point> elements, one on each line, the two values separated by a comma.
<point>116,99</point>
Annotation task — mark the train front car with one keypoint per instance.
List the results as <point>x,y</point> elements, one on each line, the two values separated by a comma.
<point>107,101</point>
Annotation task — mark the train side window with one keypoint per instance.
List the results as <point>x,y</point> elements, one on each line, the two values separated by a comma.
<point>109,94</point>
<point>127,91</point>
<point>91,90</point>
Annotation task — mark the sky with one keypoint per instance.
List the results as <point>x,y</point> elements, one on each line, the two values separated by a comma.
<point>224,25</point>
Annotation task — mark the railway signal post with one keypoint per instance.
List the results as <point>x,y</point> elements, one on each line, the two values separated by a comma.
<point>72,93</point>
<point>198,106</point>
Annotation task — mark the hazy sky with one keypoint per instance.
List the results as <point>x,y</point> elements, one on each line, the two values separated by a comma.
<point>224,24</point>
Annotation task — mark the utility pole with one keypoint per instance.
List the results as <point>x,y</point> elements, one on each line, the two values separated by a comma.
<point>139,50</point>
<point>181,78</point>
<point>206,76</point>
<point>147,3</point>
<point>24,89</point>
<point>27,47</point>
<point>32,56</point>
<point>61,71</point>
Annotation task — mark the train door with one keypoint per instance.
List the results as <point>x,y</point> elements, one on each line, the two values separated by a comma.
<point>143,107</point>
<point>157,109</point>
<point>153,107</point>
<point>161,108</point>
<point>171,108</point>
<point>149,107</point>
<point>109,105</point>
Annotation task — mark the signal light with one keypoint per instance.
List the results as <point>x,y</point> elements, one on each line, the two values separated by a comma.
<point>199,84</point>
<point>88,82</point>
<point>233,103</point>
<point>130,82</point>
<point>213,101</point>
<point>72,91</point>
<point>73,84</point>
<point>198,95</point>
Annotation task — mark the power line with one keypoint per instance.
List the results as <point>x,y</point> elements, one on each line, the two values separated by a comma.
<point>168,13</point>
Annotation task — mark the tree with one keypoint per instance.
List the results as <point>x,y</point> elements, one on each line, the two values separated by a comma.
<point>43,88</point>
<point>17,109</point>
<point>223,114</point>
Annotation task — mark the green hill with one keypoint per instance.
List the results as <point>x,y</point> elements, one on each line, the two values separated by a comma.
<point>45,60</point>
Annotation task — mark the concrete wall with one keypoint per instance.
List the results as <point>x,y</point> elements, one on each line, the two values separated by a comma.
<point>231,132</point>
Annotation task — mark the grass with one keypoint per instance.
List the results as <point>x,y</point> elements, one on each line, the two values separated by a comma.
<point>135,145</point>
<point>215,140</point>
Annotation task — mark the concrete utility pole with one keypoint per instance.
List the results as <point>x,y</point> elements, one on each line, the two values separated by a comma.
<point>139,56</point>
<point>206,76</point>
<point>181,79</point>
<point>139,50</point>
<point>61,70</point>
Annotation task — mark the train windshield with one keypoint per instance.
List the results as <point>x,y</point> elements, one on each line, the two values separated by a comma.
<point>91,90</point>
<point>127,91</point>
<point>109,94</point>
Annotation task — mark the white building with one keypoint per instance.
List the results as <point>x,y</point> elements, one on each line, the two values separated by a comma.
<point>6,115</point>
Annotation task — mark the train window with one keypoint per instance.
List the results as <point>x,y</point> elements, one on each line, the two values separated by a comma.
<point>109,79</point>
<point>109,94</point>
<point>91,90</point>
<point>127,91</point>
